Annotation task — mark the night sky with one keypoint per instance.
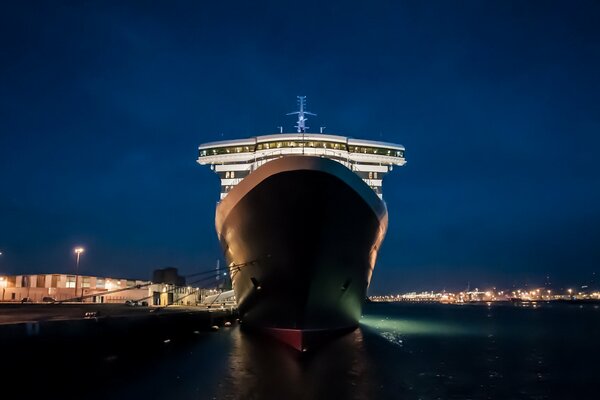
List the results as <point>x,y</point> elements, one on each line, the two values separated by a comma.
<point>103,105</point>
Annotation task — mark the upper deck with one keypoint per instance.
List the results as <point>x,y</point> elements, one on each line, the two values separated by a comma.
<point>233,160</point>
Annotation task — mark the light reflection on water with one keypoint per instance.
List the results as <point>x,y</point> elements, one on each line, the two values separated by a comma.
<point>260,368</point>
<point>393,327</point>
<point>399,352</point>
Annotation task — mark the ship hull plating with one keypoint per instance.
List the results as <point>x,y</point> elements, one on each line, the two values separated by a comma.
<point>301,236</point>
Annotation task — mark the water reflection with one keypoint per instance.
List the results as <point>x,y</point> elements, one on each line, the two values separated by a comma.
<point>259,368</point>
<point>401,352</point>
<point>395,326</point>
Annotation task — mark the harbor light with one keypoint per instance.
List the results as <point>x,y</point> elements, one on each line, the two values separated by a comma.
<point>78,251</point>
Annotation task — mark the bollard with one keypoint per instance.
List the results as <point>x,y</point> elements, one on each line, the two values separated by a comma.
<point>32,328</point>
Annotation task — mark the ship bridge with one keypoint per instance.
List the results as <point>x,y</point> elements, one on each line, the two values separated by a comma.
<point>233,160</point>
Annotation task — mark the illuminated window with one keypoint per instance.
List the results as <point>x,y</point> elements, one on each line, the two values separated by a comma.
<point>86,282</point>
<point>227,175</point>
<point>232,174</point>
<point>70,281</point>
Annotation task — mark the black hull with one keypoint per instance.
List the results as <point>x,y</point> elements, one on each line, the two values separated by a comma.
<point>303,235</point>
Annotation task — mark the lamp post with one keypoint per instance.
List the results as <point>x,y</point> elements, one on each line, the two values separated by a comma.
<point>78,251</point>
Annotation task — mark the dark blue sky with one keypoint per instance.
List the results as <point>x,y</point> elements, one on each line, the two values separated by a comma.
<point>103,105</point>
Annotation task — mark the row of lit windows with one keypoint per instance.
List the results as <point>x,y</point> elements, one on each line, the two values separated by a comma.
<point>233,174</point>
<point>376,150</point>
<point>311,144</point>
<point>85,281</point>
<point>40,281</point>
<point>370,174</point>
<point>226,150</point>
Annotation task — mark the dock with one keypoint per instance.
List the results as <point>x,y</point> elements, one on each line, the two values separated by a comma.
<point>28,324</point>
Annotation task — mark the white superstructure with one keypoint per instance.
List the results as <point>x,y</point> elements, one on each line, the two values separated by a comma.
<point>233,160</point>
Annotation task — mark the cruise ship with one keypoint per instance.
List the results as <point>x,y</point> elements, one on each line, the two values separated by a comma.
<point>301,218</point>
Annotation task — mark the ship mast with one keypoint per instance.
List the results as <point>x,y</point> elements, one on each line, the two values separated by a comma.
<point>301,123</point>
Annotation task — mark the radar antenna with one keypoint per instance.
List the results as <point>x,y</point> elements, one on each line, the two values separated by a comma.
<point>301,123</point>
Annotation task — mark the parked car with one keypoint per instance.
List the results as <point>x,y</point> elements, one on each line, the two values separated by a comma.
<point>48,299</point>
<point>132,303</point>
<point>26,300</point>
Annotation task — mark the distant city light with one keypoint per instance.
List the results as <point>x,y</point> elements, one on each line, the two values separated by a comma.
<point>490,296</point>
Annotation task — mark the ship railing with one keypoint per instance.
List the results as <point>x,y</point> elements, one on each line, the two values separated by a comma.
<point>337,155</point>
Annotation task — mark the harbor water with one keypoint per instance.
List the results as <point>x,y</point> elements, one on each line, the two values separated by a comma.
<point>400,351</point>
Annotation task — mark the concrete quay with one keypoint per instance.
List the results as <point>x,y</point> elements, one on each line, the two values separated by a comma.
<point>30,322</point>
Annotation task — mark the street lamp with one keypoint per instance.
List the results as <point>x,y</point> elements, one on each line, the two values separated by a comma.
<point>78,251</point>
